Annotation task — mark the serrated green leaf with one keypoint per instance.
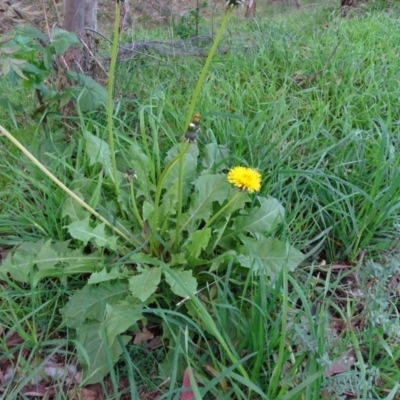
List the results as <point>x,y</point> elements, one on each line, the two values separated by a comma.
<point>148,210</point>
<point>63,272</point>
<point>35,261</point>
<point>104,275</point>
<point>222,259</point>
<point>142,286</point>
<point>259,219</point>
<point>62,40</point>
<point>214,156</point>
<point>102,239</point>
<point>91,95</point>
<point>268,256</point>
<point>90,99</point>
<point>47,57</point>
<point>93,348</point>
<point>118,319</point>
<point>182,282</point>
<point>47,257</point>
<point>198,241</point>
<point>73,209</point>
<point>28,32</point>
<point>177,259</point>
<point>37,74</point>
<point>208,190</point>
<point>99,152</point>
<point>189,173</point>
<point>90,302</point>
<point>81,230</point>
<point>168,207</point>
<point>140,162</point>
<point>19,263</point>
<point>239,203</point>
<point>142,258</point>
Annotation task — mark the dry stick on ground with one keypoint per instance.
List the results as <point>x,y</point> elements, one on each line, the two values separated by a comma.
<point>56,12</point>
<point>94,57</point>
<point>46,19</point>
<point>166,47</point>
<point>17,12</point>
<point>122,47</point>
<point>323,69</point>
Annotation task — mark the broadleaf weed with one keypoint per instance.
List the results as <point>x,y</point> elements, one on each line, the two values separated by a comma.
<point>313,108</point>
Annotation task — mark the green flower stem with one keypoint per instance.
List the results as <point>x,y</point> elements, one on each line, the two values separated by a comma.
<point>204,71</point>
<point>134,206</point>
<point>159,189</point>
<point>110,105</point>
<point>61,185</point>
<point>222,210</point>
<point>180,196</point>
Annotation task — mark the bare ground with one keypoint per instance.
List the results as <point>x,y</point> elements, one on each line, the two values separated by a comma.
<point>46,13</point>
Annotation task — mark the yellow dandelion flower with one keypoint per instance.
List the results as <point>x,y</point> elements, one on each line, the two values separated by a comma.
<point>245,179</point>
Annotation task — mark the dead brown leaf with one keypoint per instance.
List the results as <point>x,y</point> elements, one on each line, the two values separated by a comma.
<point>89,392</point>
<point>12,339</point>
<point>143,336</point>
<point>342,363</point>
<point>215,373</point>
<point>154,343</point>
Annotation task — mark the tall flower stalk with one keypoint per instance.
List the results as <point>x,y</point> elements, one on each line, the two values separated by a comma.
<point>110,105</point>
<point>204,71</point>
<point>190,112</point>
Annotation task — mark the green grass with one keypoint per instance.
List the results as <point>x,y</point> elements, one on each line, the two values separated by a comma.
<point>310,100</point>
<point>314,108</point>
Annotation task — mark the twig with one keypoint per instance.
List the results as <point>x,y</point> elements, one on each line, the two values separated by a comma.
<point>19,14</point>
<point>323,69</point>
<point>108,40</point>
<point>159,46</point>
<point>94,57</point>
<point>57,13</point>
<point>45,17</point>
<point>122,47</point>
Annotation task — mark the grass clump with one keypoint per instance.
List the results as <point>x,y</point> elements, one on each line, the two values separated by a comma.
<point>151,238</point>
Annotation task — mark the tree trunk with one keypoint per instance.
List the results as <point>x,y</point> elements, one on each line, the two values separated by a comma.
<point>125,15</point>
<point>79,15</point>
<point>251,9</point>
<point>91,14</point>
<point>74,16</point>
<point>351,3</point>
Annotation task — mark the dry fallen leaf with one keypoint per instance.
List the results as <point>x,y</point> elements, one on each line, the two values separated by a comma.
<point>89,392</point>
<point>143,336</point>
<point>215,373</point>
<point>154,343</point>
<point>342,363</point>
<point>12,339</point>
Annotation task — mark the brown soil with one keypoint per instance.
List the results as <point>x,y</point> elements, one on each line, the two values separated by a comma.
<point>46,13</point>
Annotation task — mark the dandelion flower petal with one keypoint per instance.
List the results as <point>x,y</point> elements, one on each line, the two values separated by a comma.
<point>245,179</point>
